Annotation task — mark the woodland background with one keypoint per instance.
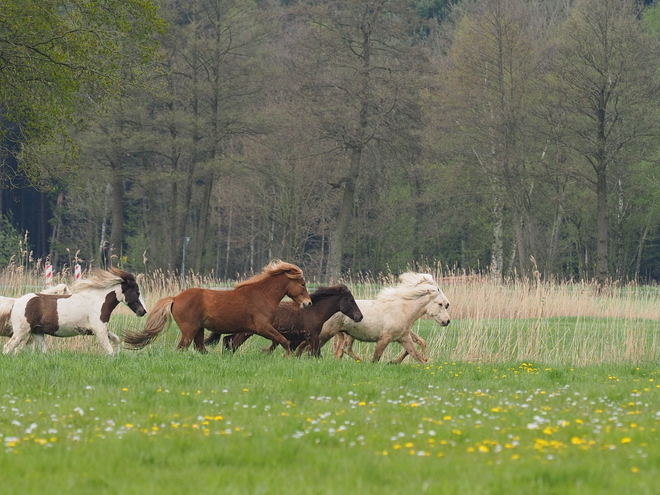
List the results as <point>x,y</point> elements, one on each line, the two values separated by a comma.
<point>517,137</point>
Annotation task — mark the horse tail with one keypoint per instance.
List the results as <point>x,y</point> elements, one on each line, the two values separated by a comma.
<point>159,318</point>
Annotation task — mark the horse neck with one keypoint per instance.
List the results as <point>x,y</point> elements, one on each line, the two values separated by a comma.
<point>413,309</point>
<point>274,287</point>
<point>325,307</point>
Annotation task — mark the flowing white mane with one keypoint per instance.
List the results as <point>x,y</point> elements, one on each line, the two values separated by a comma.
<point>100,279</point>
<point>412,286</point>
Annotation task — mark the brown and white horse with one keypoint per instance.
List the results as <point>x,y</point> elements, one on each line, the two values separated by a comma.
<point>86,311</point>
<point>249,307</point>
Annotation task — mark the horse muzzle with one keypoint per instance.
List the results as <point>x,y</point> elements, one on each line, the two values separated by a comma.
<point>306,304</point>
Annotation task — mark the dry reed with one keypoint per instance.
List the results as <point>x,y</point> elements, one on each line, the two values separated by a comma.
<point>492,321</point>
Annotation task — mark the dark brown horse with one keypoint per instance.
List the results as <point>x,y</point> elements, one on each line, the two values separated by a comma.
<point>249,307</point>
<point>300,326</point>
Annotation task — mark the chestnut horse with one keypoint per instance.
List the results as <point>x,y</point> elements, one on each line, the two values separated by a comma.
<point>249,307</point>
<point>303,325</point>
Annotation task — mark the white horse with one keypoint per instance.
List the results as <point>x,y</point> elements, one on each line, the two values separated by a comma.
<point>390,317</point>
<point>86,311</point>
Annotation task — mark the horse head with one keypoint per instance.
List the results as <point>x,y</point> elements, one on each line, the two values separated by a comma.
<point>130,293</point>
<point>296,289</point>
<point>438,306</point>
<point>348,306</point>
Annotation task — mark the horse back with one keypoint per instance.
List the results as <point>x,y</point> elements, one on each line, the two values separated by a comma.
<point>39,311</point>
<point>222,310</point>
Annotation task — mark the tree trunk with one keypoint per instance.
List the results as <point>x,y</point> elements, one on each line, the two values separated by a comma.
<point>117,222</point>
<point>337,240</point>
<point>497,250</point>
<point>602,254</point>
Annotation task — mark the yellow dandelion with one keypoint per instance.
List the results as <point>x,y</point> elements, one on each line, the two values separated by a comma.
<point>626,440</point>
<point>635,469</point>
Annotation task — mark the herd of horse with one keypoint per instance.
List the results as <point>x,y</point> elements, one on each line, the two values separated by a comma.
<point>255,306</point>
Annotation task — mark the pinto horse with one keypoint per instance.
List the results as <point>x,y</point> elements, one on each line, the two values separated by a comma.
<point>249,307</point>
<point>391,315</point>
<point>86,311</point>
<point>299,325</point>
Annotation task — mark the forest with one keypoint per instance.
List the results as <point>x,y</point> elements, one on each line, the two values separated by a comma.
<point>509,137</point>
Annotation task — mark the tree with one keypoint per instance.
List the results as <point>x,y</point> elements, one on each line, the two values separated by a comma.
<point>487,95</point>
<point>602,88</point>
<point>360,71</point>
<point>59,57</point>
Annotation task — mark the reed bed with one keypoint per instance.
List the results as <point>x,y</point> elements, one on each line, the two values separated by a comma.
<point>492,321</point>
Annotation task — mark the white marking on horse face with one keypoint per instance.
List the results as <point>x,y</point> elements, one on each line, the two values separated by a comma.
<point>437,308</point>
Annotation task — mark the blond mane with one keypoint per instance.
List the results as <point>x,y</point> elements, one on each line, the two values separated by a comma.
<point>101,279</point>
<point>275,267</point>
<point>412,286</point>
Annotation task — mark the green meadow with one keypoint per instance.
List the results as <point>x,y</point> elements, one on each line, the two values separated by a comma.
<point>160,421</point>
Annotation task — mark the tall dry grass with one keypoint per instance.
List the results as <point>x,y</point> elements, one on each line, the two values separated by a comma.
<point>492,321</point>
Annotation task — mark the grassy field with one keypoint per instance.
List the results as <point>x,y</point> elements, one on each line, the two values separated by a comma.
<point>160,421</point>
<point>531,389</point>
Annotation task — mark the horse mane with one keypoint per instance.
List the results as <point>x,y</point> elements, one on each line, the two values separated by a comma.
<point>412,286</point>
<point>275,267</point>
<point>102,279</point>
<point>323,292</point>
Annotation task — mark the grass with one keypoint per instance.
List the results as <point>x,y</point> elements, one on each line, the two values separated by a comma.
<point>161,421</point>
<point>533,388</point>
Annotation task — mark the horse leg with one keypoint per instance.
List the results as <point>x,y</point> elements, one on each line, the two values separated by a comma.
<point>407,342</point>
<point>301,347</point>
<point>199,341</point>
<point>348,348</point>
<point>269,332</point>
<point>115,338</point>
<point>381,344</point>
<point>418,340</point>
<point>188,335</point>
<point>338,345</point>
<point>315,345</point>
<point>422,344</point>
<point>17,341</point>
<point>101,333</point>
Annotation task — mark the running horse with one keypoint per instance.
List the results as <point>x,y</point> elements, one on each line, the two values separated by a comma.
<point>85,311</point>
<point>249,307</point>
<point>299,325</point>
<point>390,317</point>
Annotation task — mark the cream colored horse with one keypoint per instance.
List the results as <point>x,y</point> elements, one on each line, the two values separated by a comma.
<point>390,317</point>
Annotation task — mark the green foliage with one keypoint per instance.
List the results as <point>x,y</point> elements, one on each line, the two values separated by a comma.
<point>61,57</point>
<point>10,241</point>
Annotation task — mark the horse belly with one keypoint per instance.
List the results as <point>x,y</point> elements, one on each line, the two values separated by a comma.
<point>69,320</point>
<point>376,322</point>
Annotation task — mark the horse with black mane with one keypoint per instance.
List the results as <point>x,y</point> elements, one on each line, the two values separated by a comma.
<point>86,311</point>
<point>249,307</point>
<point>299,325</point>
